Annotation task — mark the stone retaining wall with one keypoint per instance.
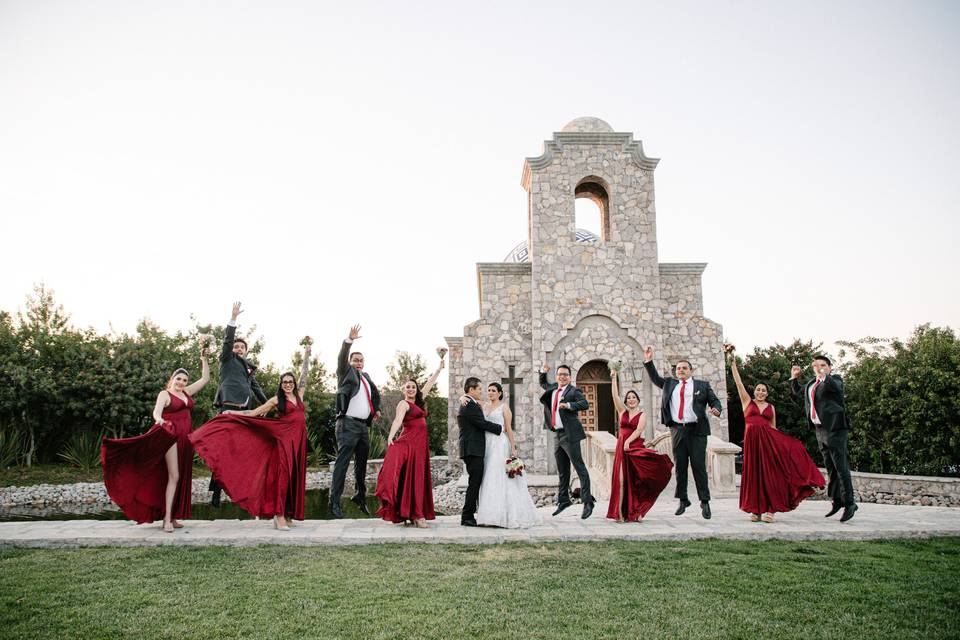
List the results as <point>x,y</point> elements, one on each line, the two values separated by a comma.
<point>928,491</point>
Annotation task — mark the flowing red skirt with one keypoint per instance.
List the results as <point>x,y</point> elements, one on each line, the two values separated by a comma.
<point>135,472</point>
<point>645,474</point>
<point>777,473</point>
<point>404,485</point>
<point>260,462</point>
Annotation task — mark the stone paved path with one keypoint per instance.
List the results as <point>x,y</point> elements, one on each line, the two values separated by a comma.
<point>806,523</point>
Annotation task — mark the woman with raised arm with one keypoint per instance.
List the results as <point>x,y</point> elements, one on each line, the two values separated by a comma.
<point>269,479</point>
<point>151,476</point>
<point>504,499</point>
<point>639,474</point>
<point>404,485</point>
<point>777,472</point>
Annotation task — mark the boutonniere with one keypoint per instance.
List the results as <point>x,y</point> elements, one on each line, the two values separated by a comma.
<point>696,393</point>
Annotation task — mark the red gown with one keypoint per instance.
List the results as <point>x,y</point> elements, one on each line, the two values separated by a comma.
<point>135,471</point>
<point>260,462</point>
<point>777,473</point>
<point>404,485</point>
<point>645,474</point>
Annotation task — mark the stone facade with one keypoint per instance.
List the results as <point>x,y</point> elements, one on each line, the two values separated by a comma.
<point>577,301</point>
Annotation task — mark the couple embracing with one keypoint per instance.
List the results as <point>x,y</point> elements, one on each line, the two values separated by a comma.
<point>486,445</point>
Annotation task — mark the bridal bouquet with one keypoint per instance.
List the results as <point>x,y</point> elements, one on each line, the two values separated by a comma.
<point>441,351</point>
<point>514,467</point>
<point>615,367</point>
<point>306,342</point>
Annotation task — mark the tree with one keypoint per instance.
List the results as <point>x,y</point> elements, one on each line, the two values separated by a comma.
<point>405,367</point>
<point>904,403</point>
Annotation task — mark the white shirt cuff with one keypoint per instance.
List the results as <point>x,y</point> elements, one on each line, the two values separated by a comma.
<point>232,323</point>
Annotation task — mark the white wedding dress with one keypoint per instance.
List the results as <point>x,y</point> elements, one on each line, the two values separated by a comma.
<point>504,501</point>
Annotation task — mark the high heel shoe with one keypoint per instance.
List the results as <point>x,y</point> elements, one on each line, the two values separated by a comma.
<point>177,524</point>
<point>168,527</point>
<point>276,525</point>
<point>421,524</point>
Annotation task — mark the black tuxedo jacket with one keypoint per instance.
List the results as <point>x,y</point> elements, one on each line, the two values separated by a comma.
<point>472,427</point>
<point>829,401</point>
<point>703,396</point>
<point>237,376</point>
<point>348,382</point>
<point>568,417</point>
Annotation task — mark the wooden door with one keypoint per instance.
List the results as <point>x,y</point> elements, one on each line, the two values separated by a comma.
<point>589,417</point>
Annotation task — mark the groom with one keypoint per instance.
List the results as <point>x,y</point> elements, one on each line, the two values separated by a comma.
<point>472,446</point>
<point>684,411</point>
<point>561,401</point>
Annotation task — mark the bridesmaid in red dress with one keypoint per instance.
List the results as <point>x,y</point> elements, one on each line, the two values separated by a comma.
<point>639,474</point>
<point>404,485</point>
<point>777,473</point>
<point>262,462</point>
<point>151,476</point>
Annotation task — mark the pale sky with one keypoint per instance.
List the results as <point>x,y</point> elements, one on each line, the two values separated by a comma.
<point>332,163</point>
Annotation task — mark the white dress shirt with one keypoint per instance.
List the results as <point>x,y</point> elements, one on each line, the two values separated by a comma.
<point>359,406</point>
<point>688,413</point>
<point>557,422</point>
<point>814,416</point>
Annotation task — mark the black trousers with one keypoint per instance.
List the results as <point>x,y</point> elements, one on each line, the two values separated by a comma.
<point>690,449</point>
<point>214,485</point>
<point>474,465</point>
<point>567,452</point>
<point>833,447</point>
<point>353,441</point>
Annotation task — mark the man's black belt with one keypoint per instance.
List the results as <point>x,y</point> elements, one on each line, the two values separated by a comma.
<point>683,424</point>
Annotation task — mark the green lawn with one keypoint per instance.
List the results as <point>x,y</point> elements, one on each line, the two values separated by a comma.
<point>706,589</point>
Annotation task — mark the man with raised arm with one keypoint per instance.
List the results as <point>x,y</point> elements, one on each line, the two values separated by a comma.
<point>238,382</point>
<point>684,410</point>
<point>826,412</point>
<point>561,402</point>
<point>358,405</point>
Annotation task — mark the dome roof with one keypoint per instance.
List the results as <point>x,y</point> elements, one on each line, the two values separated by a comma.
<point>521,254</point>
<point>587,124</point>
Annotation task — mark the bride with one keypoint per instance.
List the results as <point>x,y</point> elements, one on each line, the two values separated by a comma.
<point>504,501</point>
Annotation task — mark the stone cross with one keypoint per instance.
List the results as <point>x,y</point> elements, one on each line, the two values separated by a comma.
<point>510,381</point>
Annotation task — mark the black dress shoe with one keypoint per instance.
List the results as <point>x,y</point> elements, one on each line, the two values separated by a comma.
<point>836,507</point>
<point>683,507</point>
<point>561,507</point>
<point>468,522</point>
<point>848,512</point>
<point>336,511</point>
<point>705,510</point>
<point>361,503</point>
<point>588,508</point>
<point>215,500</point>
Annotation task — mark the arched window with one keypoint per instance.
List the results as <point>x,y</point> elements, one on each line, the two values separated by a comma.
<point>592,206</point>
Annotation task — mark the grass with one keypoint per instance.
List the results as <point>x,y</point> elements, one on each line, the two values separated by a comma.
<point>902,589</point>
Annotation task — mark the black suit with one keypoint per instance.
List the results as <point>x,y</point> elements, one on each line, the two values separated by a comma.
<point>832,433</point>
<point>353,435</point>
<point>689,440</point>
<point>566,448</point>
<point>472,447</point>
<point>237,377</point>
<point>237,382</point>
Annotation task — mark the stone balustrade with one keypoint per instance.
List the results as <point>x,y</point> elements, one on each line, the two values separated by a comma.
<point>598,450</point>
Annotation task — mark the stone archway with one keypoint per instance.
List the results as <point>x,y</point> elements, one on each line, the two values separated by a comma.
<point>593,378</point>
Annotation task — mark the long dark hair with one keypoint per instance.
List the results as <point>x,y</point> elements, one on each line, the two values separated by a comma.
<point>282,397</point>
<point>498,387</point>
<point>418,399</point>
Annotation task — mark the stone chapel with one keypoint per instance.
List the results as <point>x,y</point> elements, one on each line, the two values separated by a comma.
<point>569,296</point>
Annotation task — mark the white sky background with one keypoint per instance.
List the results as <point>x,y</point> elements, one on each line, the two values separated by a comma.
<point>332,163</point>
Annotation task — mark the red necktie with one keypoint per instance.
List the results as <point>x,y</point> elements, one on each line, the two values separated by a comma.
<point>553,414</point>
<point>683,389</point>
<point>813,408</point>
<point>367,389</point>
